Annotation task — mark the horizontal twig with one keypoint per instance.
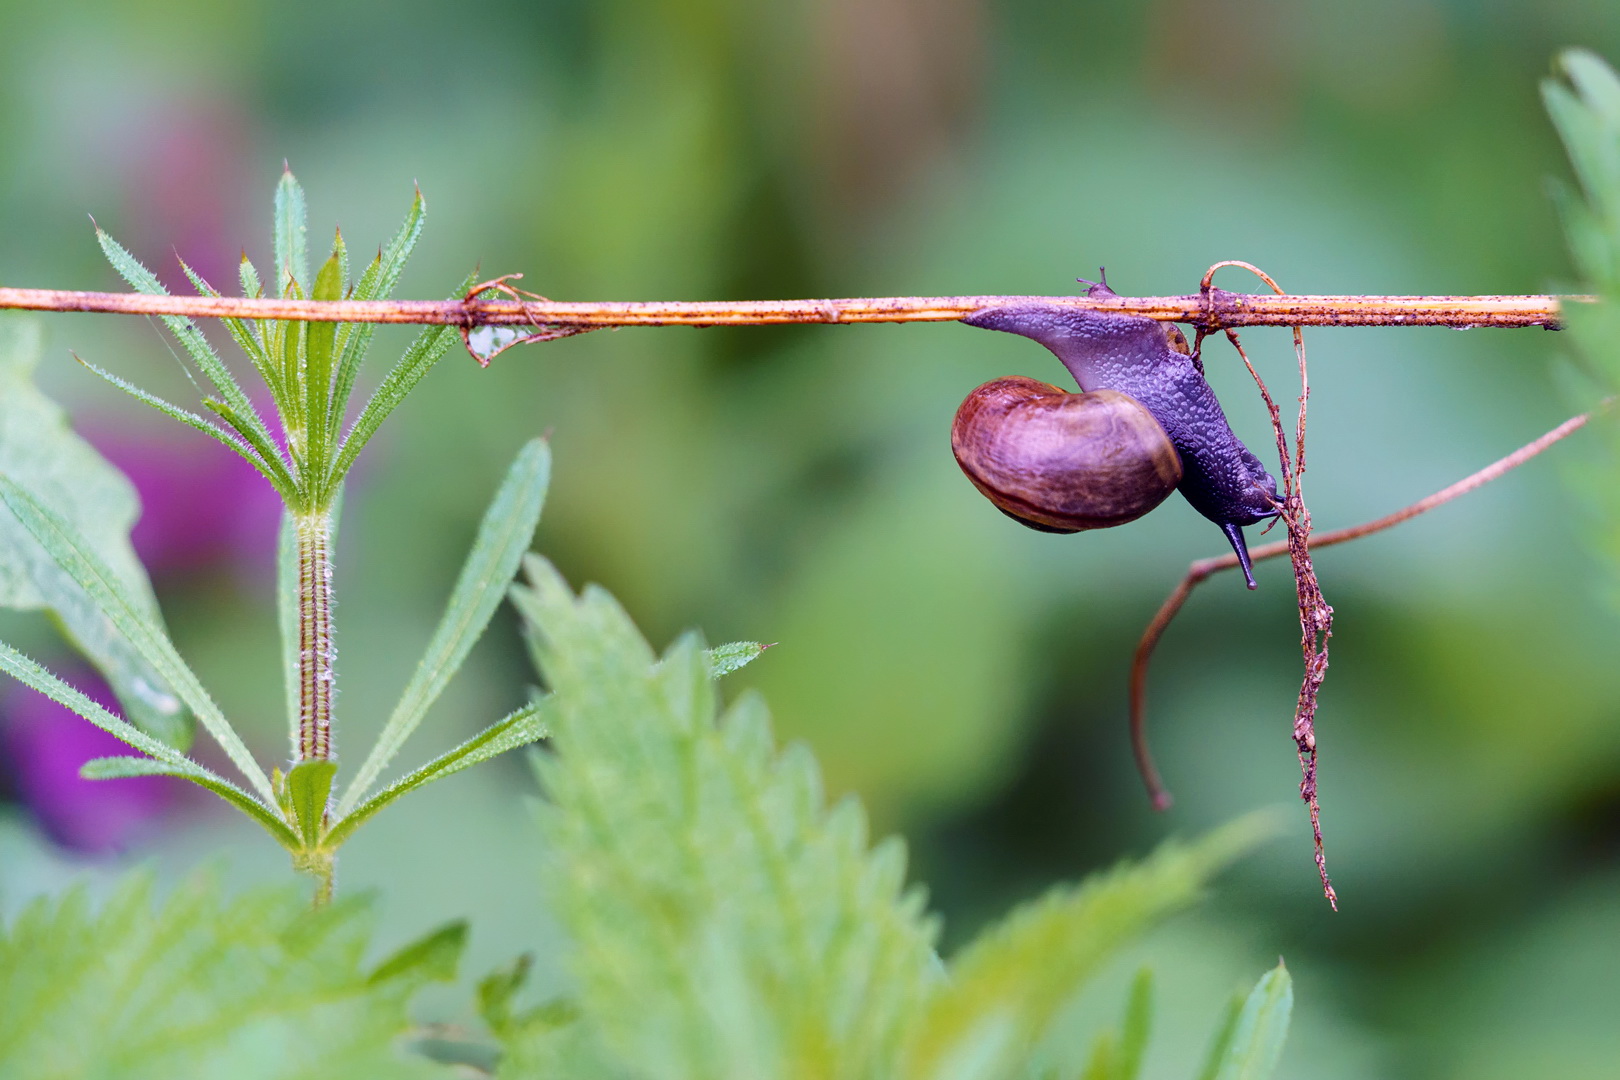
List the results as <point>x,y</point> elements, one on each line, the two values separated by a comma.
<point>1214,310</point>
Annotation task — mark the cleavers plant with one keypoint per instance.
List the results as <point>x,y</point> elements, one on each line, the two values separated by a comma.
<point>310,370</point>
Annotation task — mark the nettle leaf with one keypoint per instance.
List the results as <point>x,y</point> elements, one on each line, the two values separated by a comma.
<point>207,986</point>
<point>39,451</point>
<point>1008,985</point>
<point>728,924</point>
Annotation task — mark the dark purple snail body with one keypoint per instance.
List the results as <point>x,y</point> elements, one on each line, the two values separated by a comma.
<point>1150,362</point>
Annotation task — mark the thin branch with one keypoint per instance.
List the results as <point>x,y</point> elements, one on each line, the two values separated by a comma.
<point>1202,569</point>
<point>1215,309</point>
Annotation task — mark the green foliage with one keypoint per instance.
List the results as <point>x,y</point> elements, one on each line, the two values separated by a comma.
<point>207,986</point>
<point>1586,113</point>
<point>503,537</point>
<point>126,609</point>
<point>727,923</point>
<point>1008,985</point>
<point>309,368</point>
<point>72,513</point>
<point>1250,1040</point>
<point>40,453</point>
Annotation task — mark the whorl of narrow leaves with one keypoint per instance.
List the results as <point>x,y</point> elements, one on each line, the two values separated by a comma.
<point>207,986</point>
<point>727,923</point>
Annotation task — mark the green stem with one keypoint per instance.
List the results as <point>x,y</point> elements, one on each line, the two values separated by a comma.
<point>317,655</point>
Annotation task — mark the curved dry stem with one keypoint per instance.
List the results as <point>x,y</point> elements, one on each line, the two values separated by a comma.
<point>1202,569</point>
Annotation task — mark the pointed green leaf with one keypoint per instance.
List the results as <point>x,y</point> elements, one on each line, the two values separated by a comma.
<point>1010,982</point>
<point>287,619</point>
<point>131,617</point>
<point>725,659</point>
<point>1138,1026</point>
<point>245,336</point>
<point>114,768</point>
<point>524,727</point>
<point>272,469</point>
<point>318,372</point>
<point>186,332</point>
<point>39,450</point>
<point>376,283</point>
<point>1256,1040</point>
<point>309,786</point>
<point>292,220</point>
<point>503,536</point>
<point>164,758</point>
<point>434,956</point>
<point>418,360</point>
<point>1222,1042</point>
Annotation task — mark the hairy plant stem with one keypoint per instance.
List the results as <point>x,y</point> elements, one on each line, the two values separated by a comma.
<point>317,656</point>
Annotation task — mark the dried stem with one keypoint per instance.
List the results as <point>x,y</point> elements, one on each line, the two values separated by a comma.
<point>317,656</point>
<point>1199,571</point>
<point>1212,309</point>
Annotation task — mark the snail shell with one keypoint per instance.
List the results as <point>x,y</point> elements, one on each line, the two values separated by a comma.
<point>1063,462</point>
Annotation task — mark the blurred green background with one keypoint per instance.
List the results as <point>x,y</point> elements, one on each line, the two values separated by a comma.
<point>794,485</point>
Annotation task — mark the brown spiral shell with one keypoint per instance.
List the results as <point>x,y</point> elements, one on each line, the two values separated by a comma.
<point>1063,462</point>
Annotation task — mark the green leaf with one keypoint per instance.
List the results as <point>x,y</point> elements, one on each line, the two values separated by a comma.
<point>527,725</point>
<point>291,226</point>
<point>245,336</point>
<point>168,761</point>
<point>1007,986</point>
<point>434,956</point>
<point>271,467</point>
<point>727,922</point>
<point>129,612</point>
<point>376,283</point>
<point>119,768</point>
<point>41,452</point>
<point>418,360</point>
<point>1138,1026</point>
<point>309,784</point>
<point>1224,1032</point>
<point>320,340</point>
<point>725,659</point>
<point>190,337</point>
<point>503,536</point>
<point>287,619</point>
<point>1255,1041</point>
<point>205,985</point>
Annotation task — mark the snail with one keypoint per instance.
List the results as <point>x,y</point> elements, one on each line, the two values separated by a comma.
<point>1145,423</point>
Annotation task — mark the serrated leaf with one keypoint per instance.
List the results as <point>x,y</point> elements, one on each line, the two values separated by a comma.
<point>725,659</point>
<point>727,924</point>
<point>309,784</point>
<point>527,725</point>
<point>1009,983</point>
<point>200,985</point>
<point>245,335</point>
<point>291,227</point>
<point>376,283</point>
<point>126,609</point>
<point>41,452</point>
<point>418,360</point>
<point>503,536</point>
<point>1256,1040</point>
